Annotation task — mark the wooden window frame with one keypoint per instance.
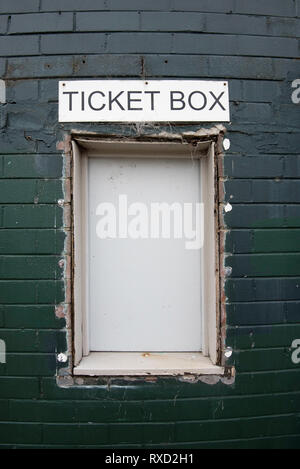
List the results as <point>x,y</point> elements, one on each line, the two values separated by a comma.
<point>130,363</point>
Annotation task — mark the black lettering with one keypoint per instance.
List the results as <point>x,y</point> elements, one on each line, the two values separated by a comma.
<point>115,100</point>
<point>82,100</point>
<point>217,100</point>
<point>152,93</point>
<point>178,100</point>
<point>70,93</point>
<point>130,100</point>
<point>90,101</point>
<point>204,101</point>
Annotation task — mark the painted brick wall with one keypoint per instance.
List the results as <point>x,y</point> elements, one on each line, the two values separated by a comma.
<point>255,45</point>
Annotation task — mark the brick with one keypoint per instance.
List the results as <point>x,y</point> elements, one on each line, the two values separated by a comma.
<point>259,90</point>
<point>32,292</point>
<point>30,191</point>
<point>18,6</point>
<point>13,142</point>
<point>172,21</point>
<point>33,316</point>
<point>52,391</point>
<point>107,21</point>
<point>20,433</point>
<point>32,216</point>
<point>267,7</point>
<point>117,411</point>
<point>223,6</point>
<point>72,5</point>
<point>23,341</point>
<point>141,433</point>
<point>241,45</point>
<point>34,341</point>
<point>239,428</point>
<point>262,190</point>
<point>242,241</point>
<point>12,46</point>
<point>73,43</point>
<point>43,411</point>
<point>245,24</point>
<point>263,216</point>
<point>29,241</point>
<point>255,314</point>
<point>30,267</point>
<point>28,67</point>
<point>104,65</point>
<point>29,364</point>
<point>139,43</point>
<point>41,23</point>
<point>22,118</point>
<point>139,5</point>
<point>32,166</point>
<point>264,359</point>
<point>263,336</point>
<point>264,265</point>
<point>66,434</point>
<point>273,143</point>
<point>264,166</point>
<point>260,289</point>
<point>18,91</point>
<point>19,388</point>
<point>215,67</point>
<point>251,113</point>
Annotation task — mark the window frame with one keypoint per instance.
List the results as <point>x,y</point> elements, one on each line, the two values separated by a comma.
<point>204,149</point>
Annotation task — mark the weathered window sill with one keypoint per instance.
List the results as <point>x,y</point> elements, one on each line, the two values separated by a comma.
<point>141,364</point>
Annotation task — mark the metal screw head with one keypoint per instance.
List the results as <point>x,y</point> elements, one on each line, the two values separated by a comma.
<point>62,358</point>
<point>228,352</point>
<point>226,144</point>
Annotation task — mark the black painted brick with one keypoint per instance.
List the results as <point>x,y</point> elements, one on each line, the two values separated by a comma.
<point>107,21</point>
<point>19,388</point>
<point>17,91</point>
<point>234,45</point>
<point>32,166</point>
<point>73,43</point>
<point>41,23</point>
<point>30,317</point>
<point>139,43</point>
<point>264,146</point>
<point>262,190</point>
<point>19,6</point>
<point>266,7</point>
<point>11,45</point>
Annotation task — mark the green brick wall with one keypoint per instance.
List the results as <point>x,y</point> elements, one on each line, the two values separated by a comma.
<point>255,46</point>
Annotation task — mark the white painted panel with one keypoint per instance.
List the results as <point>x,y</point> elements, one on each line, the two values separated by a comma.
<point>140,101</point>
<point>144,294</point>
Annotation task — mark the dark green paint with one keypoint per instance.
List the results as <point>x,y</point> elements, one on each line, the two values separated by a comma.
<point>254,45</point>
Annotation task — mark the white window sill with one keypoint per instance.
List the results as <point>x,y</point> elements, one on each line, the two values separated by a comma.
<point>139,364</point>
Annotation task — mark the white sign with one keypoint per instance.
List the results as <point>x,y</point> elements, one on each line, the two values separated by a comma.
<point>143,101</point>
